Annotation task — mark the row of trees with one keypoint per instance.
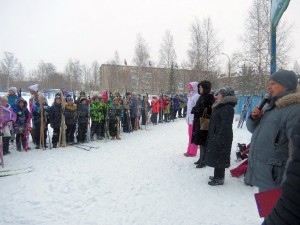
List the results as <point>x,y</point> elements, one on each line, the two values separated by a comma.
<point>203,55</point>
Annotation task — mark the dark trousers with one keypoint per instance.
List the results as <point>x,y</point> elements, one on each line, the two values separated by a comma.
<point>144,119</point>
<point>70,132</point>
<point>55,136</point>
<point>95,128</point>
<point>5,144</point>
<point>219,173</point>
<point>37,133</point>
<point>102,126</point>
<point>160,116</point>
<point>113,130</point>
<point>126,122</point>
<point>20,140</point>
<point>154,118</point>
<point>82,130</point>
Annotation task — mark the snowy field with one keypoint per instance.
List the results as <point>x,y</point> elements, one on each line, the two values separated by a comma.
<point>142,179</point>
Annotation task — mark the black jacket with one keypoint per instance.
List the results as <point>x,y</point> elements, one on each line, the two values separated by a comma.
<point>220,134</point>
<point>55,114</point>
<point>205,101</point>
<point>287,209</point>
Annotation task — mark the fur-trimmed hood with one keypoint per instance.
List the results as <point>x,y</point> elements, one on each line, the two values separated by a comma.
<point>231,100</point>
<point>289,99</point>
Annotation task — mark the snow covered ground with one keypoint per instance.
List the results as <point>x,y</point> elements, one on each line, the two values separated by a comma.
<point>142,179</point>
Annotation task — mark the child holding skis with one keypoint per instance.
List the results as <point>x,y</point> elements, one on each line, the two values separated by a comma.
<point>83,119</point>
<point>20,126</point>
<point>114,113</point>
<point>55,114</point>
<point>40,107</point>
<point>71,117</point>
<point>97,117</point>
<point>9,117</point>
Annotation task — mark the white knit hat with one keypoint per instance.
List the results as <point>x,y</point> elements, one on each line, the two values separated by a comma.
<point>34,87</point>
<point>14,89</point>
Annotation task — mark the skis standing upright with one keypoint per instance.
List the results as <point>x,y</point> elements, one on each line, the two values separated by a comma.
<point>244,112</point>
<point>161,107</point>
<point>42,127</point>
<point>1,133</point>
<point>62,133</point>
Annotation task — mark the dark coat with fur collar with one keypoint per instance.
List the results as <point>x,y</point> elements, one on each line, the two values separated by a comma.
<point>220,134</point>
<point>271,141</point>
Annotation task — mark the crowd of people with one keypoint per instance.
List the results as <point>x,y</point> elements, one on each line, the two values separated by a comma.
<point>108,114</point>
<point>273,161</point>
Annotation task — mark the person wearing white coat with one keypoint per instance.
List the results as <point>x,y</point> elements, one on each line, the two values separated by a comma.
<point>192,99</point>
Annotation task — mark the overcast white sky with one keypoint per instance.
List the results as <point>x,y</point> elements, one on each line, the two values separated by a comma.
<point>89,30</point>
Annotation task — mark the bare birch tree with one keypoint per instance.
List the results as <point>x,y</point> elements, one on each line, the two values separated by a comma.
<point>73,72</point>
<point>8,67</point>
<point>195,53</point>
<point>167,51</point>
<point>95,75</point>
<point>257,41</point>
<point>142,55</point>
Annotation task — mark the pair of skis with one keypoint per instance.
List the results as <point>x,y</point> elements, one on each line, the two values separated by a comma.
<point>11,172</point>
<point>85,147</point>
<point>1,133</point>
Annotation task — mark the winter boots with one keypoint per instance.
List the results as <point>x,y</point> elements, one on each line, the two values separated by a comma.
<point>216,181</point>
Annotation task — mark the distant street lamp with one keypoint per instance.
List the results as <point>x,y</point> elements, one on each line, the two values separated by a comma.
<point>229,66</point>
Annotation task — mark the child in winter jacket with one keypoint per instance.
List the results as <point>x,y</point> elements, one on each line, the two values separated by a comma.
<point>20,126</point>
<point>114,113</point>
<point>155,110</point>
<point>36,113</point>
<point>71,118</point>
<point>55,114</point>
<point>97,116</point>
<point>83,119</point>
<point>8,117</point>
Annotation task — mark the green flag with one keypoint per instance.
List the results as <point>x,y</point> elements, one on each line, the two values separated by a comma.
<point>277,9</point>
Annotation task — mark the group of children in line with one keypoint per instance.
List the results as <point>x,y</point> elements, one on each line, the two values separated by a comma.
<point>107,113</point>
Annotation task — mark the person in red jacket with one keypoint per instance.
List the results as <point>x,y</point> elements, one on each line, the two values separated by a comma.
<point>155,110</point>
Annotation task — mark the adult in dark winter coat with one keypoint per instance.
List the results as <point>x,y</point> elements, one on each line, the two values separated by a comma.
<point>203,105</point>
<point>287,208</point>
<point>271,129</point>
<point>220,135</point>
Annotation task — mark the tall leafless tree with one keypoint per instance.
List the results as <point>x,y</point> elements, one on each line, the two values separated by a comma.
<point>95,73</point>
<point>167,51</point>
<point>8,67</point>
<point>257,41</point>
<point>73,72</point>
<point>211,46</point>
<point>195,53</point>
<point>141,56</point>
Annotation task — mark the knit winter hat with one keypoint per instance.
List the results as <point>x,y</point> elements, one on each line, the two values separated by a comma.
<point>82,99</point>
<point>225,91</point>
<point>286,78</point>
<point>14,89</point>
<point>34,87</point>
<point>58,96</point>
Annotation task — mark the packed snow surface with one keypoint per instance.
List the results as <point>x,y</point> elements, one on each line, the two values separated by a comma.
<point>142,179</point>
